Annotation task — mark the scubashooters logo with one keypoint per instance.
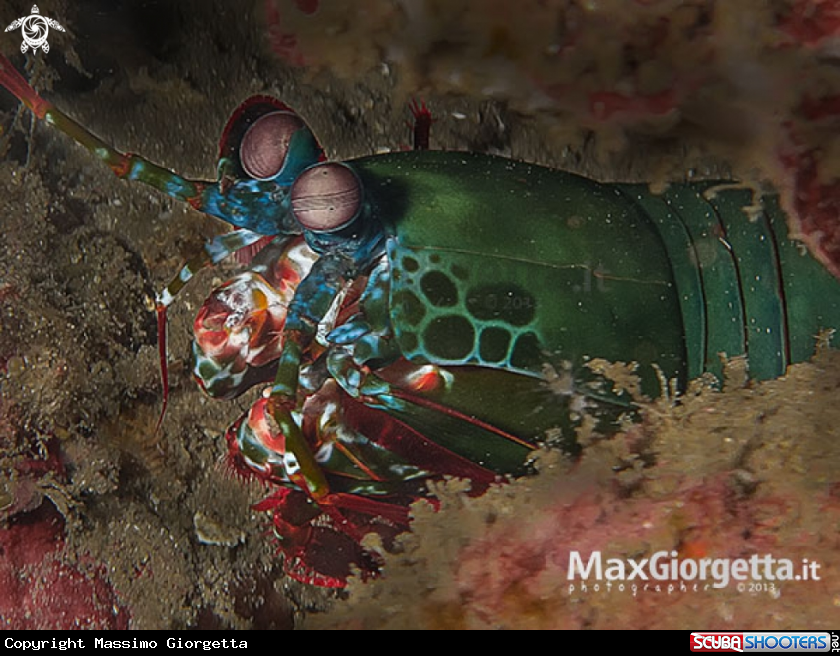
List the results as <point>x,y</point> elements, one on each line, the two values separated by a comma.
<point>35,29</point>
<point>781,641</point>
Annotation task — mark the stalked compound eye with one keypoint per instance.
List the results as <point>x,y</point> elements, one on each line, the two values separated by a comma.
<point>326,197</point>
<point>264,147</point>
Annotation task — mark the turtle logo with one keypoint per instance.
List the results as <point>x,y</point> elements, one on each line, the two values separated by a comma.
<point>35,29</point>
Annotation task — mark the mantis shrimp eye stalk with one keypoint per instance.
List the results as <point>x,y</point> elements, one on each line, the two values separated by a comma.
<point>265,145</point>
<point>326,197</point>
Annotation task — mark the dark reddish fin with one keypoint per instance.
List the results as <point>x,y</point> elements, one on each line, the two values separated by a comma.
<point>422,127</point>
<point>408,443</point>
<point>455,414</point>
<point>395,513</point>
